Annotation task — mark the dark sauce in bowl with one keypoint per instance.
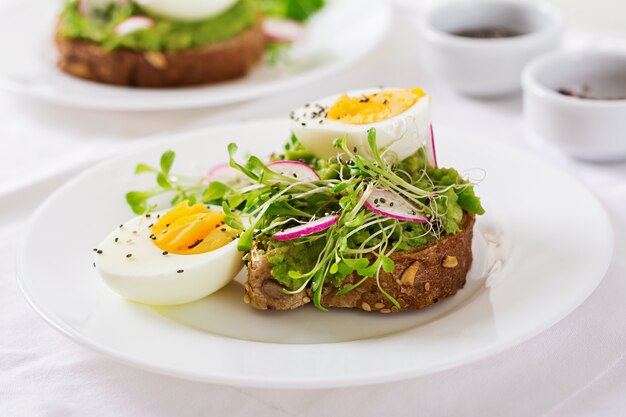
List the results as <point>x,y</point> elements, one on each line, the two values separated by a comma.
<point>487,32</point>
<point>586,93</point>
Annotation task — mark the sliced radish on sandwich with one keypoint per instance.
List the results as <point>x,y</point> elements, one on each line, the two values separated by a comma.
<point>224,173</point>
<point>387,203</point>
<point>282,30</point>
<point>294,169</point>
<point>83,7</point>
<point>307,229</point>
<point>431,154</point>
<point>133,24</point>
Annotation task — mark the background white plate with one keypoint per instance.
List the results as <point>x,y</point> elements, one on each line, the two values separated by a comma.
<point>539,252</point>
<point>340,34</point>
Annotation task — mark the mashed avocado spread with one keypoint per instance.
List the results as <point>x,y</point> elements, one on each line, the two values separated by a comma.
<point>165,35</point>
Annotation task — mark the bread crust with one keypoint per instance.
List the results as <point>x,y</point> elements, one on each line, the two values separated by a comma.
<point>421,278</point>
<point>123,67</point>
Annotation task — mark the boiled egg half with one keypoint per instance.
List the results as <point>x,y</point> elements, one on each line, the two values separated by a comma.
<point>187,9</point>
<point>401,118</point>
<point>170,257</point>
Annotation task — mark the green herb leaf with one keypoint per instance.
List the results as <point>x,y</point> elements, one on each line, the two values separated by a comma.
<point>388,264</point>
<point>163,182</point>
<point>143,168</point>
<point>167,159</point>
<point>233,222</point>
<point>215,191</point>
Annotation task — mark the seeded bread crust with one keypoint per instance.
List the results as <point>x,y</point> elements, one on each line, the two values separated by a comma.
<point>421,278</point>
<point>213,63</point>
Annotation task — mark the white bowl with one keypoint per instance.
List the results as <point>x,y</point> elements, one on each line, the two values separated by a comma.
<point>592,129</point>
<point>487,67</point>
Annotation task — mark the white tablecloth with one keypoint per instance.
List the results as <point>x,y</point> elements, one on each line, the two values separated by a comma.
<point>576,368</point>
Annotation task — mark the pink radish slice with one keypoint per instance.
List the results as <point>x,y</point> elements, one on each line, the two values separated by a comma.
<point>387,203</point>
<point>294,169</point>
<point>282,30</point>
<point>431,154</point>
<point>307,229</point>
<point>83,7</point>
<point>132,24</point>
<point>224,173</point>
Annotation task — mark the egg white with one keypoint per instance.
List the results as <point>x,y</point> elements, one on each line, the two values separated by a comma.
<point>150,277</point>
<point>403,134</point>
<point>187,9</point>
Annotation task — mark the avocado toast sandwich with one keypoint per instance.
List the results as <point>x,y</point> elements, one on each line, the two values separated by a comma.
<point>162,43</point>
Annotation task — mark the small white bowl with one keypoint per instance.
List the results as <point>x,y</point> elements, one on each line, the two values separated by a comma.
<point>488,67</point>
<point>592,129</point>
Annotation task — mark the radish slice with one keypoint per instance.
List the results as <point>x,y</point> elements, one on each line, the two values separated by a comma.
<point>133,24</point>
<point>294,169</point>
<point>307,229</point>
<point>83,7</point>
<point>282,30</point>
<point>431,154</point>
<point>224,173</point>
<point>389,204</point>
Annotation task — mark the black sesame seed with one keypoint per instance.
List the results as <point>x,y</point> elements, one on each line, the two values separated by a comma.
<point>117,239</point>
<point>121,225</point>
<point>164,253</point>
<point>223,229</point>
<point>128,255</point>
<point>289,197</point>
<point>94,264</point>
<point>95,249</point>
<point>150,225</point>
<point>295,175</point>
<point>167,225</point>
<point>99,251</point>
<point>391,204</point>
<point>303,124</point>
<point>385,101</point>
<point>196,243</point>
<point>180,271</point>
<point>148,215</point>
<point>354,149</point>
<point>375,201</point>
<point>382,200</point>
<point>153,237</point>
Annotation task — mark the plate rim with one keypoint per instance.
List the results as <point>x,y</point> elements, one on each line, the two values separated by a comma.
<point>293,382</point>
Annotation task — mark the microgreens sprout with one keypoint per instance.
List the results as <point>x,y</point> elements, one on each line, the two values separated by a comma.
<point>361,242</point>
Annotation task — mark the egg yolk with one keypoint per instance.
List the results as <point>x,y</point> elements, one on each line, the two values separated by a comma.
<point>189,230</point>
<point>374,107</point>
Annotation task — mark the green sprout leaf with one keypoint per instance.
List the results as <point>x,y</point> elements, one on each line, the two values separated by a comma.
<point>167,159</point>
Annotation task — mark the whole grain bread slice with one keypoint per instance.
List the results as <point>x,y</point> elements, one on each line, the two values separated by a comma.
<point>123,67</point>
<point>421,278</point>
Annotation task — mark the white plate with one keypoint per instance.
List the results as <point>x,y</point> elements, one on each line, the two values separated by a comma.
<point>342,33</point>
<point>540,250</point>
